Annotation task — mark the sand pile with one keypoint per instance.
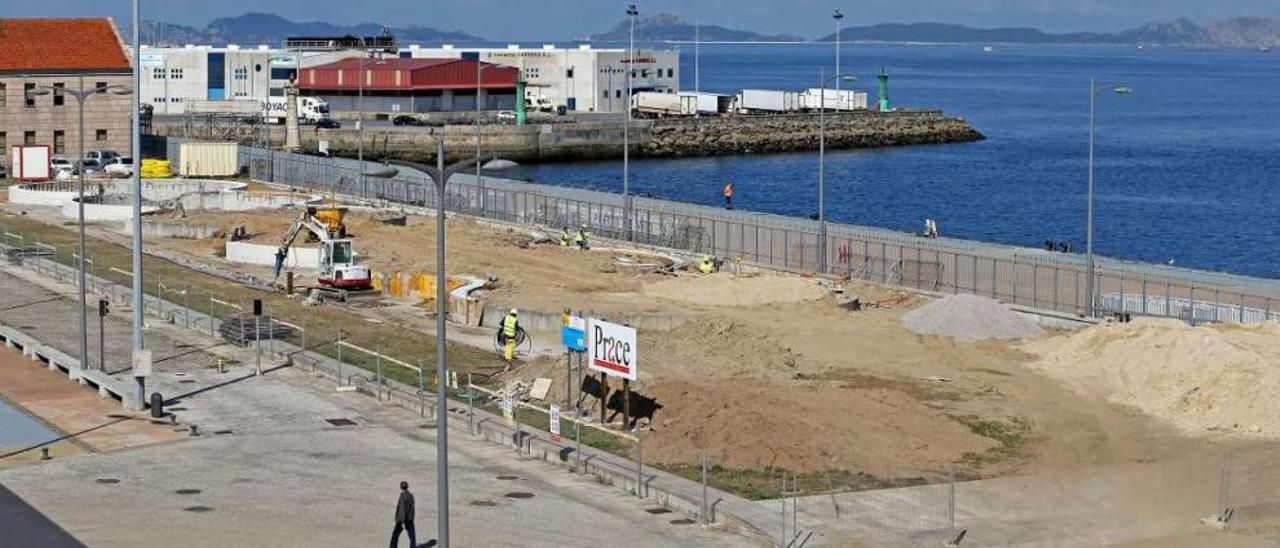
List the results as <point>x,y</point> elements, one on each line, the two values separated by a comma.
<point>969,318</point>
<point>1208,378</point>
<point>752,425</point>
<point>726,290</point>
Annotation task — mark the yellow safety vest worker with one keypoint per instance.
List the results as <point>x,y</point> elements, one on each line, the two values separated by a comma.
<point>564,237</point>
<point>707,266</point>
<point>509,326</point>
<point>581,237</point>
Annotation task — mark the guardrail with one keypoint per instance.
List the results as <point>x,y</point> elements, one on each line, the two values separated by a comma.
<point>1016,275</point>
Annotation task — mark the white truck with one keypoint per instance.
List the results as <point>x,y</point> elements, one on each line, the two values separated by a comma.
<point>310,109</point>
<point>836,99</point>
<point>704,104</point>
<point>653,104</point>
<point>768,101</point>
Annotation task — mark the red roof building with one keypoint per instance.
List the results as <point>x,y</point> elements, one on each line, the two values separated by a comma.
<point>33,46</point>
<point>411,85</point>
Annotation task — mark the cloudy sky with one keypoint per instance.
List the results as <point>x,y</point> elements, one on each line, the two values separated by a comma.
<point>564,19</point>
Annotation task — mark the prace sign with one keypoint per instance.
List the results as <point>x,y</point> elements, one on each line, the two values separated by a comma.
<point>613,349</point>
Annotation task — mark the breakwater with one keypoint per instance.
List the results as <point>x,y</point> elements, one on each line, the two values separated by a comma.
<point>664,138</point>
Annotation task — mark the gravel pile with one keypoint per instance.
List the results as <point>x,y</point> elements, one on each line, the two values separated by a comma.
<point>970,318</point>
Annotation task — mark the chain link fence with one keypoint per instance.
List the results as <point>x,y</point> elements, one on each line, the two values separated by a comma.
<point>1249,489</point>
<point>1020,276</point>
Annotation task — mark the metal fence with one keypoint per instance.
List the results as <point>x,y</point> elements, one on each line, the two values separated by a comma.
<point>1019,276</point>
<point>1250,486</point>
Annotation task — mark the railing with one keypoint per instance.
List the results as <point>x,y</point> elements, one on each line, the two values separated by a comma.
<point>1020,276</point>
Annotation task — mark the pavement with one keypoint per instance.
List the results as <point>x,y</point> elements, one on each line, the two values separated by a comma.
<point>270,468</point>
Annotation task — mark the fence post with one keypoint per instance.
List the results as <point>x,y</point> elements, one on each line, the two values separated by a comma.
<point>1144,296</point>
<point>471,409</point>
<point>339,345</point>
<point>211,315</point>
<point>639,465</point>
<point>782,497</point>
<point>951,500</point>
<point>1223,485</point>
<point>422,392</point>
<point>703,512</point>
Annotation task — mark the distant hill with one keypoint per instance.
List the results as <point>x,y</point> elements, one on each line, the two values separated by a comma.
<point>668,27</point>
<point>266,28</point>
<point>1241,31</point>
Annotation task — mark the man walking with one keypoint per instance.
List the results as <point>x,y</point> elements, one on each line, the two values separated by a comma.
<point>510,330</point>
<point>728,195</point>
<point>404,517</point>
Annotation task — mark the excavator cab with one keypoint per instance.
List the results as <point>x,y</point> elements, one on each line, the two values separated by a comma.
<point>338,266</point>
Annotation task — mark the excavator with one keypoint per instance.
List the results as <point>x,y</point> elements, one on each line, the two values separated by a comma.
<point>338,266</point>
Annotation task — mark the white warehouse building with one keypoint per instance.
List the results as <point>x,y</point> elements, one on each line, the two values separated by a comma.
<point>175,76</point>
<point>582,79</point>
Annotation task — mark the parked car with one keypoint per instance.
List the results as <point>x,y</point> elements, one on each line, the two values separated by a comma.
<point>101,155</point>
<point>328,123</point>
<point>119,166</point>
<point>506,115</point>
<point>61,168</point>
<point>406,120</point>
<point>91,167</point>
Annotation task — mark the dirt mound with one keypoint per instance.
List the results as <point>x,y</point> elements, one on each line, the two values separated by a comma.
<point>726,290</point>
<point>1208,378</point>
<point>970,318</point>
<point>724,348</point>
<point>805,428</point>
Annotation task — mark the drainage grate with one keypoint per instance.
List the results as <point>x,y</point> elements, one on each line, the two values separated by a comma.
<point>188,491</point>
<point>186,381</point>
<point>485,503</point>
<point>341,422</point>
<point>107,481</point>
<point>223,432</point>
<point>197,509</point>
<point>428,426</point>
<point>176,408</point>
<point>656,511</point>
<point>683,521</point>
<point>508,478</point>
<point>519,495</point>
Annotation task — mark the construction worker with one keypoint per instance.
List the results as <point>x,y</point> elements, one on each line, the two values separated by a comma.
<point>582,237</point>
<point>707,265</point>
<point>728,195</point>
<point>564,236</point>
<point>510,326</point>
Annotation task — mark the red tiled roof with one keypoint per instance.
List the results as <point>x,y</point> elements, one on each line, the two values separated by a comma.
<point>60,44</point>
<point>396,63</point>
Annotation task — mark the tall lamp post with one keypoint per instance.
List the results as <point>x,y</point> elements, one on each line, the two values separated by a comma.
<point>1095,89</point>
<point>81,96</point>
<point>139,382</point>
<point>839,17</point>
<point>632,12</point>
<point>480,68</point>
<point>823,79</point>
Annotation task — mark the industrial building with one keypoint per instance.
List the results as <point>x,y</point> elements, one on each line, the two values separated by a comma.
<point>583,79</point>
<point>62,53</point>
<point>411,85</point>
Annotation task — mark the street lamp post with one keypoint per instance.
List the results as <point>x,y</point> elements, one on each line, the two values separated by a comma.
<point>480,68</point>
<point>364,52</point>
<point>632,12</point>
<point>839,17</point>
<point>1095,90</point>
<point>822,162</point>
<point>81,96</point>
<point>139,382</point>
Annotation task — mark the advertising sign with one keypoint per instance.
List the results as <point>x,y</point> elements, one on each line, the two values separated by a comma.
<point>613,349</point>
<point>555,423</point>
<point>573,335</point>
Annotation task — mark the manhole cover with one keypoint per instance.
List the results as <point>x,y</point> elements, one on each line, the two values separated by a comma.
<point>223,432</point>
<point>197,509</point>
<point>485,503</point>
<point>519,495</point>
<point>186,381</point>
<point>188,491</point>
<point>656,511</point>
<point>683,521</point>
<point>341,422</point>
<point>107,481</point>
<point>508,478</point>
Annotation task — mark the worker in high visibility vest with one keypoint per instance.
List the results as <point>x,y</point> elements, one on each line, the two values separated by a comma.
<point>728,195</point>
<point>510,326</point>
<point>564,236</point>
<point>581,239</point>
<point>707,265</point>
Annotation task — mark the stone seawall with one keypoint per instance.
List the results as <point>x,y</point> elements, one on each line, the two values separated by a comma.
<point>560,142</point>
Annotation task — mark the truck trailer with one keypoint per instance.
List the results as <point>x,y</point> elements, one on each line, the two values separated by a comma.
<point>768,101</point>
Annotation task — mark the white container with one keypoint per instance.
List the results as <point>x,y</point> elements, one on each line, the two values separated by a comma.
<point>699,103</point>
<point>656,103</point>
<point>768,101</point>
<point>208,159</point>
<point>31,163</point>
<point>843,99</point>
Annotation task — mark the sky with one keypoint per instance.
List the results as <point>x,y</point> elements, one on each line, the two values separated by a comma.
<point>568,19</point>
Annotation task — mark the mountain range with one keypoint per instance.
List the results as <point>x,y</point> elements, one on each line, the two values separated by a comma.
<point>1237,32</point>
<point>267,28</point>
<point>668,27</point>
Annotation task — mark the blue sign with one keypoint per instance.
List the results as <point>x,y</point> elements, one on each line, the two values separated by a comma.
<point>574,335</point>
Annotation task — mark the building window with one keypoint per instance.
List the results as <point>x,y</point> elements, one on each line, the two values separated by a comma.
<point>241,73</point>
<point>28,138</point>
<point>59,141</point>
<point>59,97</point>
<point>276,92</point>
<point>569,73</point>
<point>281,73</point>
<point>157,73</point>
<point>101,135</point>
<point>617,93</point>
<point>671,73</point>
<point>605,94</point>
<point>101,87</point>
<point>28,100</point>
<point>175,74</point>
<point>4,138</point>
<point>4,96</point>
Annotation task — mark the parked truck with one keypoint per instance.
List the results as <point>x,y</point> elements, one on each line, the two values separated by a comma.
<point>768,101</point>
<point>272,109</point>
<point>705,104</point>
<point>653,104</point>
<point>836,99</point>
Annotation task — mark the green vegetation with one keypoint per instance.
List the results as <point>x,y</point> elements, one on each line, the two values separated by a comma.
<point>766,483</point>
<point>1012,438</point>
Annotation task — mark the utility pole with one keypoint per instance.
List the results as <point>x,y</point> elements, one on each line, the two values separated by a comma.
<point>632,12</point>
<point>839,17</point>
<point>139,381</point>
